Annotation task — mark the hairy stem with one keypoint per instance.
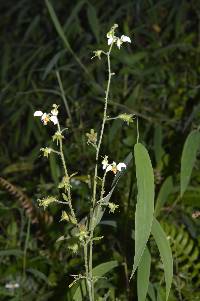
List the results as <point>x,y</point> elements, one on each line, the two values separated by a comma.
<point>67,176</point>
<point>91,225</point>
<point>103,125</point>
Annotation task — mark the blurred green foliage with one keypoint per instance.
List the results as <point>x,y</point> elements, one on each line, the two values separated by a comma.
<point>157,79</point>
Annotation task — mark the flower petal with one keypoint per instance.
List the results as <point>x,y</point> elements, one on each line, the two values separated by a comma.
<point>120,166</point>
<point>38,114</point>
<point>104,166</point>
<point>125,39</point>
<point>119,43</point>
<point>108,168</point>
<point>54,119</point>
<point>110,40</point>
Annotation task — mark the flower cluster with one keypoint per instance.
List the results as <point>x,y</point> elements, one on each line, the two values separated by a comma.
<point>113,39</point>
<point>67,217</point>
<point>92,137</point>
<point>128,118</point>
<point>45,118</point>
<point>112,167</point>
<point>46,151</point>
<point>45,202</point>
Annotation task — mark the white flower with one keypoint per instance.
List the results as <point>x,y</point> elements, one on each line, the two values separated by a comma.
<point>54,119</point>
<point>105,162</point>
<point>115,167</point>
<point>45,118</point>
<point>125,39</point>
<point>12,286</point>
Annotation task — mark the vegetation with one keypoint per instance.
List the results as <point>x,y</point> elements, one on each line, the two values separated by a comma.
<point>46,59</point>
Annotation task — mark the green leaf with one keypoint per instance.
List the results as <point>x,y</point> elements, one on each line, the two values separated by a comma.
<point>151,292</point>
<point>98,271</point>
<point>188,158</point>
<point>145,202</point>
<point>165,253</point>
<point>38,275</point>
<point>163,194</point>
<point>103,268</point>
<point>93,21</point>
<point>52,63</point>
<point>143,275</point>
<point>61,33</point>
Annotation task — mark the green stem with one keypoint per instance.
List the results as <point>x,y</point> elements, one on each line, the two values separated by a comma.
<point>88,280</point>
<point>103,124</point>
<point>91,225</point>
<point>67,176</point>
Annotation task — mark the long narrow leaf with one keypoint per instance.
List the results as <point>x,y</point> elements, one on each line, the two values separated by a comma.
<point>145,202</point>
<point>163,194</point>
<point>188,158</point>
<point>165,253</point>
<point>143,275</point>
<point>62,34</point>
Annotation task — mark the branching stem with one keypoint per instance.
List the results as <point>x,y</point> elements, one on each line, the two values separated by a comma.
<point>92,212</point>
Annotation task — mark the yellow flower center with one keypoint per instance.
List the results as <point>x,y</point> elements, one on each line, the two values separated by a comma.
<point>46,119</point>
<point>114,169</point>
